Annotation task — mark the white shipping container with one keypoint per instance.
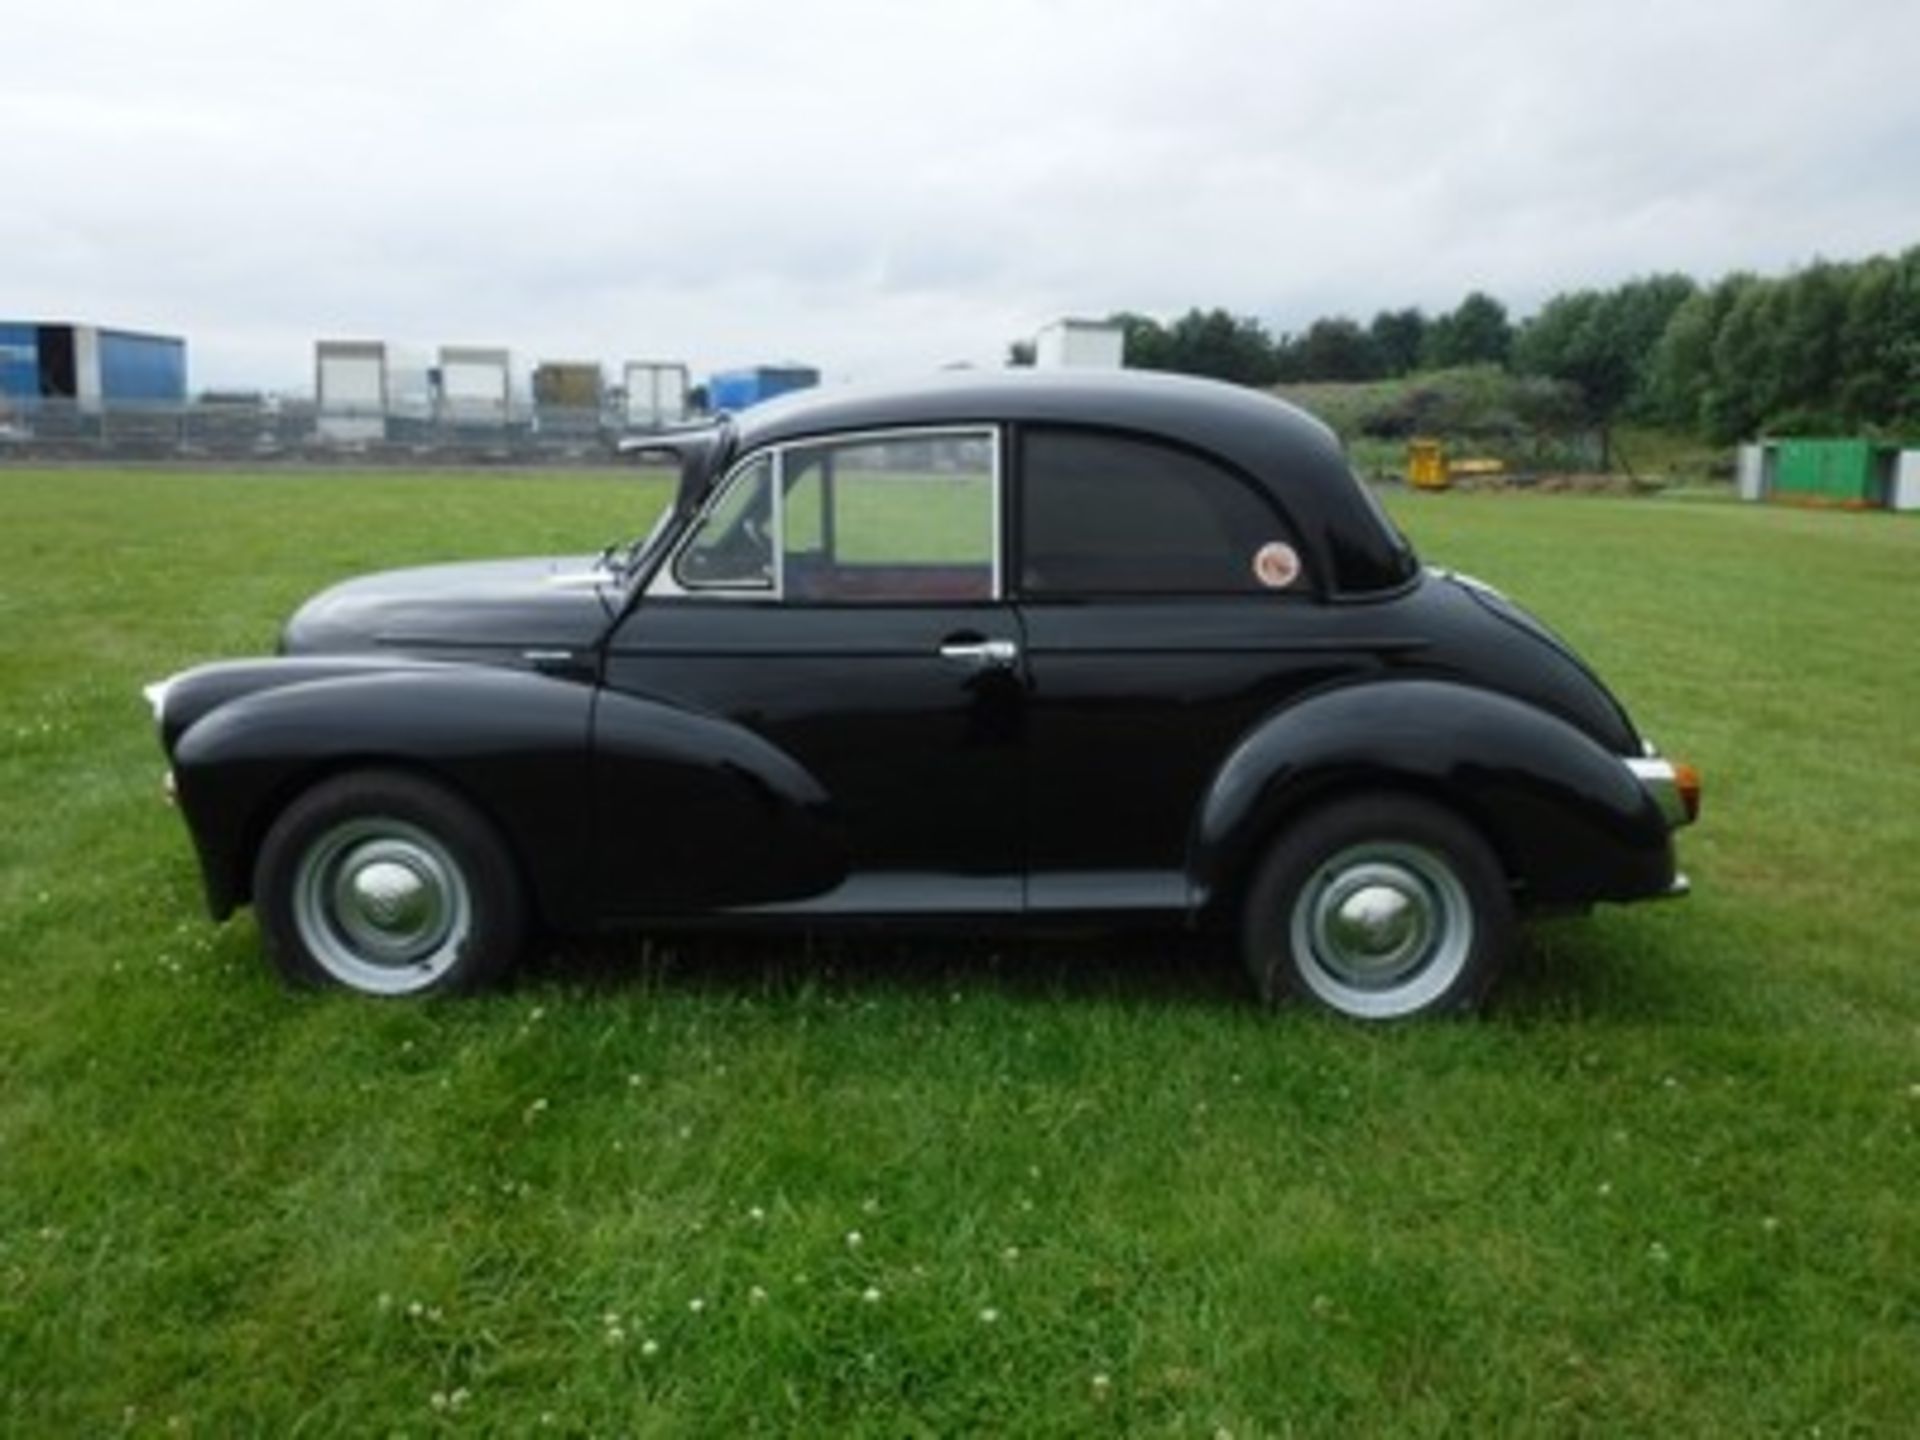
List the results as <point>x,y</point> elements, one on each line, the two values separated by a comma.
<point>1079,345</point>
<point>476,384</point>
<point>86,367</point>
<point>656,393</point>
<point>350,389</point>
<point>1906,481</point>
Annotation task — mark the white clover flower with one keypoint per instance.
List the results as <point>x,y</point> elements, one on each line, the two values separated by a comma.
<point>1102,1385</point>
<point>438,1400</point>
<point>616,1335</point>
<point>696,1305</point>
<point>855,1239</point>
<point>871,1294</point>
<point>649,1348</point>
<point>756,1215</point>
<point>633,1079</point>
<point>458,1398</point>
<point>1658,1253</point>
<point>757,1295</point>
<point>989,1316</point>
<point>1010,1254</point>
<point>871,1205</point>
<point>1770,1224</point>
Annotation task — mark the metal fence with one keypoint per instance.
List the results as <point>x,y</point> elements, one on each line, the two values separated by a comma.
<point>269,430</point>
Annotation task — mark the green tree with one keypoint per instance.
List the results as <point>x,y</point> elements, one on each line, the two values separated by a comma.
<point>1742,389</point>
<point>1335,348</point>
<point>1398,337</point>
<point>1680,371</point>
<point>1477,332</point>
<point>1603,341</point>
<point>1201,342</point>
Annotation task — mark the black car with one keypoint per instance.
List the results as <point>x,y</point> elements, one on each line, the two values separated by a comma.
<point>1002,647</point>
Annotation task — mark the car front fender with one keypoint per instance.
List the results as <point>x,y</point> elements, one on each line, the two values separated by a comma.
<point>1568,819</point>
<point>612,803</point>
<point>514,743</point>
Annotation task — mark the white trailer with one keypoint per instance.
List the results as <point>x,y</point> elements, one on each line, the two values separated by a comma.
<point>350,390</point>
<point>476,385</point>
<point>656,393</point>
<point>1079,345</point>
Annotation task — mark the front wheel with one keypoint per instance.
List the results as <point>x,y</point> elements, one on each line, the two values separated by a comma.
<point>1382,907</point>
<point>387,884</point>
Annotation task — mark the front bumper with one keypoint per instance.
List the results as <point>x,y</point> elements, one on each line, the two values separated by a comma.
<point>1668,784</point>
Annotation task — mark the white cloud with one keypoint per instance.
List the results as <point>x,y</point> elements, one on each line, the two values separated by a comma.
<point>885,187</point>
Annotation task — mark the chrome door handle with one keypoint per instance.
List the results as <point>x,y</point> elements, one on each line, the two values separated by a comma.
<point>981,654</point>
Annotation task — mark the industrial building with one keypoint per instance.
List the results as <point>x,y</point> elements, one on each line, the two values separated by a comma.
<point>89,366</point>
<point>737,389</point>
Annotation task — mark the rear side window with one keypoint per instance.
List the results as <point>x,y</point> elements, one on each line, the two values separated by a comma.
<point>1115,515</point>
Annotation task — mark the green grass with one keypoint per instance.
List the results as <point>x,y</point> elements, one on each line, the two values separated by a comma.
<point>1670,1185</point>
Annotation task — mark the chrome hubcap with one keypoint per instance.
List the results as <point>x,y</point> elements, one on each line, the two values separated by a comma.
<point>381,905</point>
<point>1381,929</point>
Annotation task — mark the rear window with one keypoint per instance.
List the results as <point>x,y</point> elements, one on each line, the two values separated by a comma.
<point>1104,514</point>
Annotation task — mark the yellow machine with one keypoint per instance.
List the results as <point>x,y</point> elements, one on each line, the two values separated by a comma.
<point>1426,464</point>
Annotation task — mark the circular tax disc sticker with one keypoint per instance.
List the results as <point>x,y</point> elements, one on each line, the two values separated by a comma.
<point>1276,565</point>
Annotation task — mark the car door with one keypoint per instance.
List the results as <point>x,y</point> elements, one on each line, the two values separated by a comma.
<point>1166,610</point>
<point>842,600</point>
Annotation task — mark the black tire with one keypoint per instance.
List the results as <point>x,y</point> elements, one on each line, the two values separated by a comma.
<point>387,884</point>
<point>1380,907</point>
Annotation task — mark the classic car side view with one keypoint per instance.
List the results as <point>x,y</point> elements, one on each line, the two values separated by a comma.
<point>1004,647</point>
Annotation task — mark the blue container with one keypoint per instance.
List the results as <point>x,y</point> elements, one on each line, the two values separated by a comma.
<point>19,361</point>
<point>142,369</point>
<point>737,389</point>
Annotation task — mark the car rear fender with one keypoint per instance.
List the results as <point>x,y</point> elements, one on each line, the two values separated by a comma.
<point>1567,818</point>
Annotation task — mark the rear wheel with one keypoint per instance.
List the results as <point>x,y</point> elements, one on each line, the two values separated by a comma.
<point>1381,907</point>
<point>387,884</point>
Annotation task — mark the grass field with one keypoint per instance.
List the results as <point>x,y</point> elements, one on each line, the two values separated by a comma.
<point>1670,1185</point>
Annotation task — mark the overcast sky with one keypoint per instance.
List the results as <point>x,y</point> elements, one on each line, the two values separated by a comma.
<point>881,188</point>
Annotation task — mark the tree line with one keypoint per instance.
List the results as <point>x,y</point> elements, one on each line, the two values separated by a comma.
<point>1830,348</point>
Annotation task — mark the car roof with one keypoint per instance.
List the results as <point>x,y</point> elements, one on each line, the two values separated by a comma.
<point>1290,454</point>
<point>1208,413</point>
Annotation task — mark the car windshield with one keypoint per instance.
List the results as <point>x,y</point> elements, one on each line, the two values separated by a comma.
<point>627,560</point>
